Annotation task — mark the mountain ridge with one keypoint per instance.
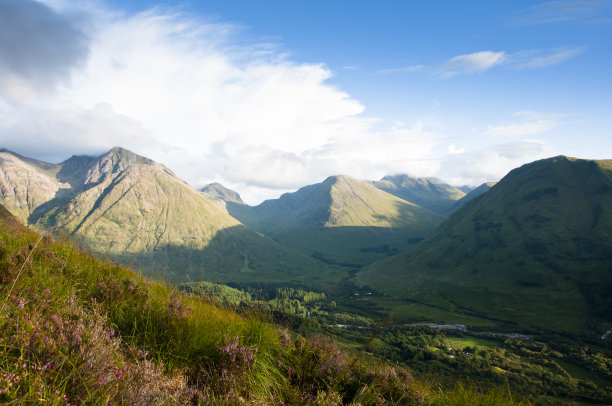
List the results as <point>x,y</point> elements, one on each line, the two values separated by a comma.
<point>340,220</point>
<point>428,192</point>
<point>538,243</point>
<point>133,209</point>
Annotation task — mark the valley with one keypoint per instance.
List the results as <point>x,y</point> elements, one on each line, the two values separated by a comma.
<point>508,283</point>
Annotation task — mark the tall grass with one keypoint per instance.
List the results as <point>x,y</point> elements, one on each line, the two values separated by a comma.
<point>78,330</point>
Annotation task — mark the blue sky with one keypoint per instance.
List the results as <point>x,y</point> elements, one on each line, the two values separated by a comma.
<point>268,96</point>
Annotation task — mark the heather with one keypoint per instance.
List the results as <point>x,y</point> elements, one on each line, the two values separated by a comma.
<point>78,330</point>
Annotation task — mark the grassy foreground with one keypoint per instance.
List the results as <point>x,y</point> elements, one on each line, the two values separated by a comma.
<point>77,330</point>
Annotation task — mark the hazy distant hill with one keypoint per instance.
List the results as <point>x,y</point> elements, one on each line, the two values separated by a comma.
<point>341,220</point>
<point>133,209</point>
<point>535,249</point>
<point>430,193</point>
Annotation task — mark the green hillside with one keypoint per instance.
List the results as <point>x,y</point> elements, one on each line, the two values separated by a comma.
<point>76,330</point>
<point>341,220</point>
<point>430,193</point>
<point>536,249</point>
<point>474,193</point>
<point>137,211</point>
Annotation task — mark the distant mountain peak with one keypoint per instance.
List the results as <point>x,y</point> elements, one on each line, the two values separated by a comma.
<point>127,156</point>
<point>402,178</point>
<point>216,190</point>
<point>430,193</point>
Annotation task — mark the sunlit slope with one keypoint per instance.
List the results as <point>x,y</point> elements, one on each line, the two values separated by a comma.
<point>137,211</point>
<point>535,249</point>
<point>26,183</point>
<point>430,193</point>
<point>341,220</point>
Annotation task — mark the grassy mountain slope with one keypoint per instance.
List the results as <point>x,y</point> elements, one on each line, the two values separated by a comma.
<point>341,220</point>
<point>536,249</point>
<point>473,193</point>
<point>76,330</point>
<point>430,193</point>
<point>26,183</point>
<point>137,211</point>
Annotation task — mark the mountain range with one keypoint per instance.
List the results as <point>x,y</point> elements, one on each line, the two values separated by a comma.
<point>339,221</point>
<point>535,249</point>
<point>137,211</point>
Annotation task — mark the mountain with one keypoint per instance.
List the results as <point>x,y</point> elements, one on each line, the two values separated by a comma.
<point>430,193</point>
<point>220,192</point>
<point>26,183</point>
<point>137,211</point>
<point>536,250</point>
<point>473,193</point>
<point>341,220</point>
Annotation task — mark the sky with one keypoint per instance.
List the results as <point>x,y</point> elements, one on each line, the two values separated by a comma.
<point>268,96</point>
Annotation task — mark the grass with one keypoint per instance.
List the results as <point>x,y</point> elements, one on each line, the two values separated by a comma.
<point>583,373</point>
<point>407,312</point>
<point>470,341</point>
<point>77,330</point>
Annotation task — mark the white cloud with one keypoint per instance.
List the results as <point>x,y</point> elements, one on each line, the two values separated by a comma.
<point>197,97</point>
<point>470,63</point>
<point>490,163</point>
<point>453,149</point>
<point>193,96</point>
<point>482,61</point>
<point>526,123</point>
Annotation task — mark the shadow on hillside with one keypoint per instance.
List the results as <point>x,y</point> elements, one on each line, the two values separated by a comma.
<point>351,247</point>
<point>235,255</point>
<point>72,173</point>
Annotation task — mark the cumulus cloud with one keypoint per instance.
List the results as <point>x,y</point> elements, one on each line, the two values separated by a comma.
<point>209,104</point>
<point>55,133</point>
<point>38,49</point>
